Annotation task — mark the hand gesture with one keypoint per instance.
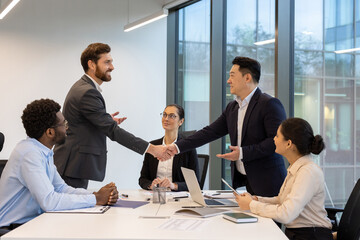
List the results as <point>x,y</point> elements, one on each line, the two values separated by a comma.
<point>172,149</point>
<point>232,156</point>
<point>159,151</point>
<point>117,120</point>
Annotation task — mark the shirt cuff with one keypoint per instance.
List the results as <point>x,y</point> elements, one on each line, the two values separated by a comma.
<point>240,154</point>
<point>178,150</point>
<point>146,149</point>
<point>92,199</point>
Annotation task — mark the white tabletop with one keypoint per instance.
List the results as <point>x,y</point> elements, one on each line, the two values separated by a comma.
<point>124,223</point>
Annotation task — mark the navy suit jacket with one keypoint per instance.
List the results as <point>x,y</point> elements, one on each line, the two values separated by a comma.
<point>265,169</point>
<point>150,165</point>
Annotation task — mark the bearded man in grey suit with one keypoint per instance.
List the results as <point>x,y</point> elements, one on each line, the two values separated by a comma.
<point>83,156</point>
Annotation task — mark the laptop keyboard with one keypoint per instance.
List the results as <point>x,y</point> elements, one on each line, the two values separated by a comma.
<point>213,202</point>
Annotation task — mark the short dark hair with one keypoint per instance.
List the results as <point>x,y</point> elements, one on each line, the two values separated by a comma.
<point>38,116</point>
<point>301,134</point>
<point>248,65</point>
<point>93,52</point>
<point>179,108</point>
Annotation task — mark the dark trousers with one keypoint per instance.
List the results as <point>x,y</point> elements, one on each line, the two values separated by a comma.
<point>6,229</point>
<point>313,233</point>
<point>76,182</point>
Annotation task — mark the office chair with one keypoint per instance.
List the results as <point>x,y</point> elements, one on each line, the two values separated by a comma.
<point>2,139</point>
<point>348,228</point>
<point>203,160</point>
<point>2,165</point>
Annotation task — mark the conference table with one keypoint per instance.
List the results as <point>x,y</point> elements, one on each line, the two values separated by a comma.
<point>143,222</point>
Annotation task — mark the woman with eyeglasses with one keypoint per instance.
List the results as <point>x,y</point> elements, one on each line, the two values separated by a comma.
<point>168,173</point>
<point>300,203</point>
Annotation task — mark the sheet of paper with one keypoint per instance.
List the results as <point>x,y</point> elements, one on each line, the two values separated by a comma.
<point>178,224</point>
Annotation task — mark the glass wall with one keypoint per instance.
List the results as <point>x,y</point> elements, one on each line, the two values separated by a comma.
<point>326,83</point>
<point>245,33</point>
<point>194,66</point>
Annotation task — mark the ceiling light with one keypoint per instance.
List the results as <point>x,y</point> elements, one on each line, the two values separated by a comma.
<point>146,20</point>
<point>347,50</point>
<point>8,8</point>
<point>265,42</point>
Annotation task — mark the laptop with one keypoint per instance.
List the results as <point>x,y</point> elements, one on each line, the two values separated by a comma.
<point>196,195</point>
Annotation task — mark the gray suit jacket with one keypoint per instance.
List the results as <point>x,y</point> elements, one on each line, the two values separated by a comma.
<point>83,155</point>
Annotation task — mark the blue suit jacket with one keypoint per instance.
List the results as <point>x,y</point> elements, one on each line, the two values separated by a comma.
<point>265,170</point>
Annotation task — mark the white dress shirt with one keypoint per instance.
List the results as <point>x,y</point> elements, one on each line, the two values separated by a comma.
<point>300,202</point>
<point>243,105</point>
<point>97,86</point>
<point>164,169</point>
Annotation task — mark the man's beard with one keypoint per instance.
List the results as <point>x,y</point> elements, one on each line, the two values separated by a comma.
<point>59,138</point>
<point>102,75</point>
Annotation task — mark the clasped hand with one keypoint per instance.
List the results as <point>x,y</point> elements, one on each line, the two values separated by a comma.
<point>165,182</point>
<point>162,153</point>
<point>107,195</point>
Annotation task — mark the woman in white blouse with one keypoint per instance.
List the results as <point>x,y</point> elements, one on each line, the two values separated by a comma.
<point>168,173</point>
<point>300,203</point>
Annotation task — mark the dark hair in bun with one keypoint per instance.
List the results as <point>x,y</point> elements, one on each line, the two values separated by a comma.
<point>301,134</point>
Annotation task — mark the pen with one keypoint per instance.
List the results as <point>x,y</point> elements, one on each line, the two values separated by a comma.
<point>153,217</point>
<point>124,195</point>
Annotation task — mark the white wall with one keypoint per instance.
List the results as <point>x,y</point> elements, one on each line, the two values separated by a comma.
<point>40,46</point>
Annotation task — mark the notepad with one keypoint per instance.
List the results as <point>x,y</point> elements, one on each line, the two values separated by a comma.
<point>201,212</point>
<point>94,210</point>
<point>238,217</point>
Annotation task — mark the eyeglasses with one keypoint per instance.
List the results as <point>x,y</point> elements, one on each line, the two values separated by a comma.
<point>65,124</point>
<point>165,115</point>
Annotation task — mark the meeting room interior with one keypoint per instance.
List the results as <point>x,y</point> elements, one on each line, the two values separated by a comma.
<point>183,52</point>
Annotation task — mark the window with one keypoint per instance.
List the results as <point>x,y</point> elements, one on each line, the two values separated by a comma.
<point>253,25</point>
<point>194,66</point>
<point>325,83</point>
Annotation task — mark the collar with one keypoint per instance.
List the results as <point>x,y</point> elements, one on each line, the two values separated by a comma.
<point>299,163</point>
<point>47,152</point>
<point>163,141</point>
<point>97,86</point>
<point>246,100</point>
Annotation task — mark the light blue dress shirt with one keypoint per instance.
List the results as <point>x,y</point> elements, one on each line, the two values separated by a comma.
<point>31,185</point>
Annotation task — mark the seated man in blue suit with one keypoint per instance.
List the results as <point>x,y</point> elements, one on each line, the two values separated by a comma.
<point>251,120</point>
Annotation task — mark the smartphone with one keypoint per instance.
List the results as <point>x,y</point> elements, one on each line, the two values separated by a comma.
<point>238,217</point>
<point>229,186</point>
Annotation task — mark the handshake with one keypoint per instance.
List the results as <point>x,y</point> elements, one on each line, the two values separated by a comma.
<point>162,153</point>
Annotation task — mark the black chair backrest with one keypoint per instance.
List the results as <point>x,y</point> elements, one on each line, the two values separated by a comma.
<point>203,160</point>
<point>2,139</point>
<point>349,226</point>
<point>2,165</point>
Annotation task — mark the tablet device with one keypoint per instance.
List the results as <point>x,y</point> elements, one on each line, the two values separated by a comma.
<point>229,186</point>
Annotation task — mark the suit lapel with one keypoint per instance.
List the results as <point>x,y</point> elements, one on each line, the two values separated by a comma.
<point>234,118</point>
<point>88,80</point>
<point>249,109</point>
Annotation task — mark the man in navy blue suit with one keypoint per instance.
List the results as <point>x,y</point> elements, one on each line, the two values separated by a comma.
<point>251,120</point>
